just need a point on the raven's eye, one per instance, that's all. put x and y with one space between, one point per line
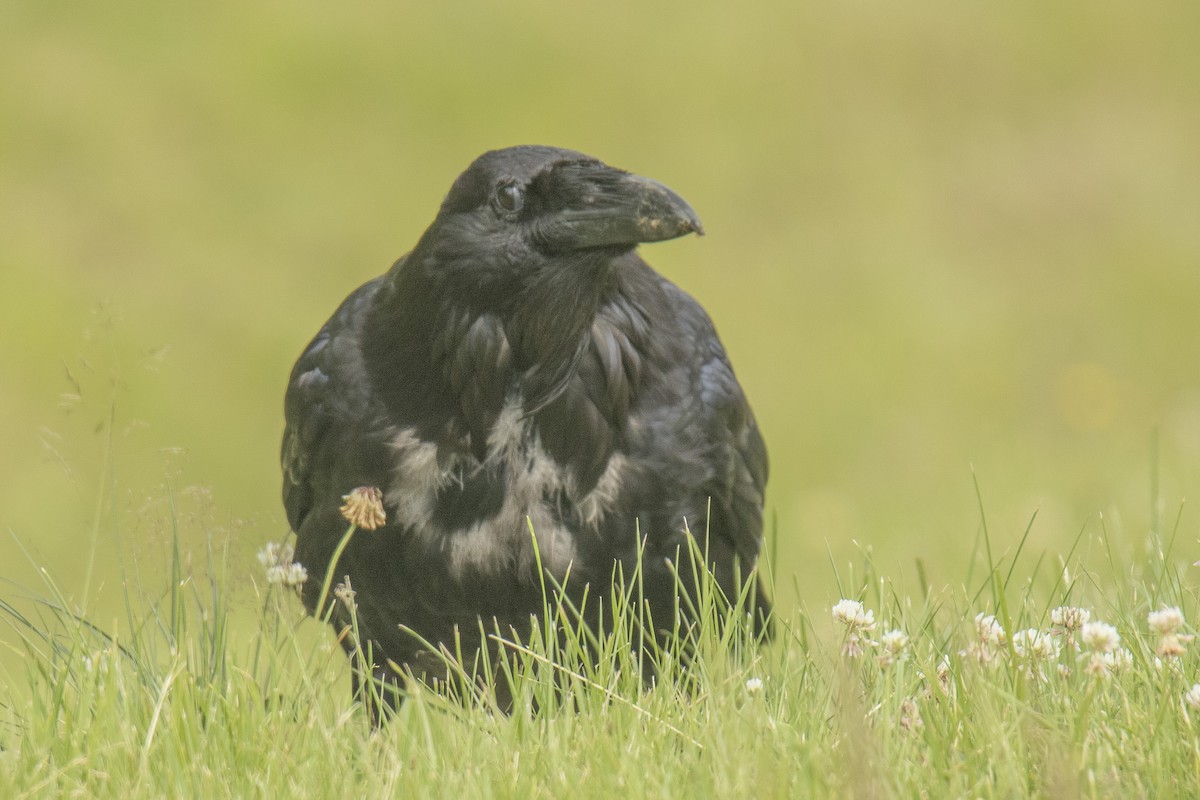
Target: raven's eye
510 198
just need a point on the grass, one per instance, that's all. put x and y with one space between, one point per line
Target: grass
172 701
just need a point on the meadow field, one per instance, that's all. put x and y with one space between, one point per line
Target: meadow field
954 253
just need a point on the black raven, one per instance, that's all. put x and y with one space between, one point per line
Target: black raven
521 369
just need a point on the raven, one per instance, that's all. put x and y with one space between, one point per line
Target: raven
534 402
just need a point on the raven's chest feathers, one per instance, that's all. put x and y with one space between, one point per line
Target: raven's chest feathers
496 424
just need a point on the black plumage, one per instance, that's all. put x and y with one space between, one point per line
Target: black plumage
521 365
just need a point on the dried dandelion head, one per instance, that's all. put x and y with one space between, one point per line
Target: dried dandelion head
363 508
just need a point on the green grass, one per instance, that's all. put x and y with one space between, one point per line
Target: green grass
173 701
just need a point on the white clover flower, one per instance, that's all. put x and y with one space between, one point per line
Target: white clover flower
990 638
1118 660
1165 621
1096 666
855 645
857 620
296 574
277 559
990 631
1068 619
1034 645
292 574
894 641
1172 646
1192 696
754 686
980 653
892 646
275 553
1100 637
852 614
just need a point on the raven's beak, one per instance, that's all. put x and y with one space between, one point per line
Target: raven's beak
606 207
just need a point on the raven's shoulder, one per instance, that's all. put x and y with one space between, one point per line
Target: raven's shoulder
328 398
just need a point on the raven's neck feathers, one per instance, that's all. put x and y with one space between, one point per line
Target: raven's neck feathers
552 324
446 357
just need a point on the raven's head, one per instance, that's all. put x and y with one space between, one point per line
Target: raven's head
517 210
527 247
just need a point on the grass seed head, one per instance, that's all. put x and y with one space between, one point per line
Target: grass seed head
345 593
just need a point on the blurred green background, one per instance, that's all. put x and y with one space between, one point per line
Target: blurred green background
943 238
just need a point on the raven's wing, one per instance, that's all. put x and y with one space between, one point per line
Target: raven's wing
327 404
719 421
